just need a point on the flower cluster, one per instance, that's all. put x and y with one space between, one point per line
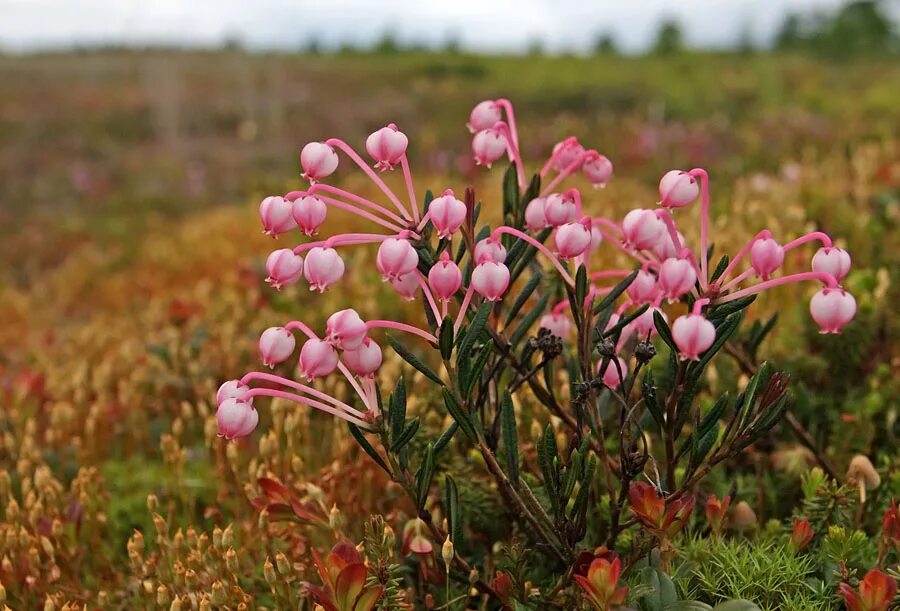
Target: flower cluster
668 268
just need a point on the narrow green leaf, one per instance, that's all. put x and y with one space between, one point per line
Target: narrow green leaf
528 320
413 360
451 505
445 338
651 399
474 331
720 268
510 438
474 370
367 447
581 286
406 435
445 438
424 476
713 415
510 193
617 290
662 327
727 309
397 408
462 418
723 334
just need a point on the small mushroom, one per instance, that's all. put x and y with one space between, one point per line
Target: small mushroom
862 473
743 518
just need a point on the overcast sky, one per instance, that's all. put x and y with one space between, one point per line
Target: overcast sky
492 25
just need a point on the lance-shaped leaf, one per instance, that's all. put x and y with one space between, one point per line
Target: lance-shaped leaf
720 268
724 330
405 436
510 438
528 320
451 506
510 193
662 327
445 438
727 309
523 296
473 332
397 408
413 360
424 476
474 370
367 447
616 328
462 419
547 460
445 338
651 399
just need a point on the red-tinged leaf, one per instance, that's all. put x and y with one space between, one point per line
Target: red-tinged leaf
276 491
349 584
278 512
259 502
368 598
320 596
302 512
322 569
591 594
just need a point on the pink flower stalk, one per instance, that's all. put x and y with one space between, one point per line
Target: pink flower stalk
490 279
490 249
318 161
677 189
365 359
643 229
489 145
236 418
447 214
445 278
573 239
597 169
317 358
610 374
275 345
232 389
693 334
275 214
535 214
832 309
283 267
566 153
323 268
387 146
644 288
666 249
557 323
484 116
560 209
766 256
406 285
345 330
832 260
309 213
676 278
396 257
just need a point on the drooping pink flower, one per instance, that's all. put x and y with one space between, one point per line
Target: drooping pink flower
598 170
665 249
489 145
365 359
567 152
232 389
558 323
677 189
445 278
490 249
693 335
309 213
236 418
610 374
387 146
559 209
490 280
406 285
596 238
832 260
345 329
644 230
396 257
318 161
447 214
535 214
644 288
676 277
832 309
275 345
283 267
573 239
323 268
275 214
766 256
644 326
484 116
317 358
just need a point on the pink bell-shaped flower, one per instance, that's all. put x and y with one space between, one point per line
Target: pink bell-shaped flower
396 257
610 374
644 326
275 345
557 323
445 278
484 116
677 189
365 359
573 239
766 256
406 285
309 213
317 358
676 277
489 145
693 335
535 214
318 161
490 280
232 389
387 147
447 214
275 214
832 260
323 268
283 268
598 170
236 418
559 209
665 249
832 309
490 249
644 230
567 152
345 329
644 288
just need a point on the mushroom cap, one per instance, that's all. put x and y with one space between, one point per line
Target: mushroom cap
862 470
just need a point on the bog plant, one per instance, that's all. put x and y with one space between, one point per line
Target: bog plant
562 378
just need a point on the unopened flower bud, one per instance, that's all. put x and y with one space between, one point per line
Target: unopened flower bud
318 358
276 344
485 115
643 230
445 278
318 161
489 145
406 285
676 277
610 374
323 267
535 214
345 329
236 418
281 561
832 309
309 213
557 323
232 389
567 153
275 214
677 189
644 288
766 256
387 147
832 260
573 239
490 280
693 335
447 214
447 552
490 249
364 360
560 208
396 257
597 169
